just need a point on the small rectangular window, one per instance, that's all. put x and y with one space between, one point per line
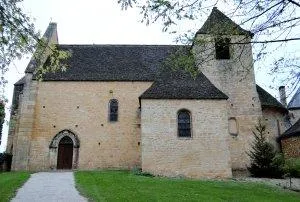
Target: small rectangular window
113 110
222 46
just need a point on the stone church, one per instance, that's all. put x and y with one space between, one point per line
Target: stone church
116 106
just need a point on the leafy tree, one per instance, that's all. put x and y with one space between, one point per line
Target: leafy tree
18 36
264 161
275 25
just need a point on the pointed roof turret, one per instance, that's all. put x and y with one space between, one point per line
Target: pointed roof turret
218 23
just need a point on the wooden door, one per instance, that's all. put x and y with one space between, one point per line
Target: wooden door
65 155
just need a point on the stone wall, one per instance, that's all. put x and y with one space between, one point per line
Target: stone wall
15 110
204 155
82 107
23 114
235 77
291 147
22 126
275 126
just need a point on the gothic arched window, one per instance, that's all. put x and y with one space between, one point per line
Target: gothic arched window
184 123
113 110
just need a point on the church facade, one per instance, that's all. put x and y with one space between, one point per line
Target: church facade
117 107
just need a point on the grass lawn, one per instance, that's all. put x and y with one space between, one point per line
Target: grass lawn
125 186
10 182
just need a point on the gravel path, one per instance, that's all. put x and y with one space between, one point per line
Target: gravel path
49 187
284 183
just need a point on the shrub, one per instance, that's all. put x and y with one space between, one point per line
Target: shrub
265 162
5 161
292 167
138 171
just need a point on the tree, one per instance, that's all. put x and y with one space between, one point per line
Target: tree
264 162
275 25
2 116
18 37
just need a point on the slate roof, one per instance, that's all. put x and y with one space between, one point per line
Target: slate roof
171 84
295 101
21 81
218 23
294 130
267 100
135 63
112 62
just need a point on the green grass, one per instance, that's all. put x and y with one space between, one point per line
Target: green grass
125 186
10 182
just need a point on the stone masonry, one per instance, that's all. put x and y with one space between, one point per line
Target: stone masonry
23 126
103 144
204 155
291 147
274 122
236 79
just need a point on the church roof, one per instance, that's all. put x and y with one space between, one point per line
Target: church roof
294 130
267 100
112 62
171 84
218 23
135 63
295 101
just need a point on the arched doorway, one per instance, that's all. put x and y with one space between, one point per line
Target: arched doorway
64 150
65 153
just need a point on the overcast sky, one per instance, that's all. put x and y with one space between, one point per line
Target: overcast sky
94 22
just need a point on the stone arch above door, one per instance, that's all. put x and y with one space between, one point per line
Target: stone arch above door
55 141
53 148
